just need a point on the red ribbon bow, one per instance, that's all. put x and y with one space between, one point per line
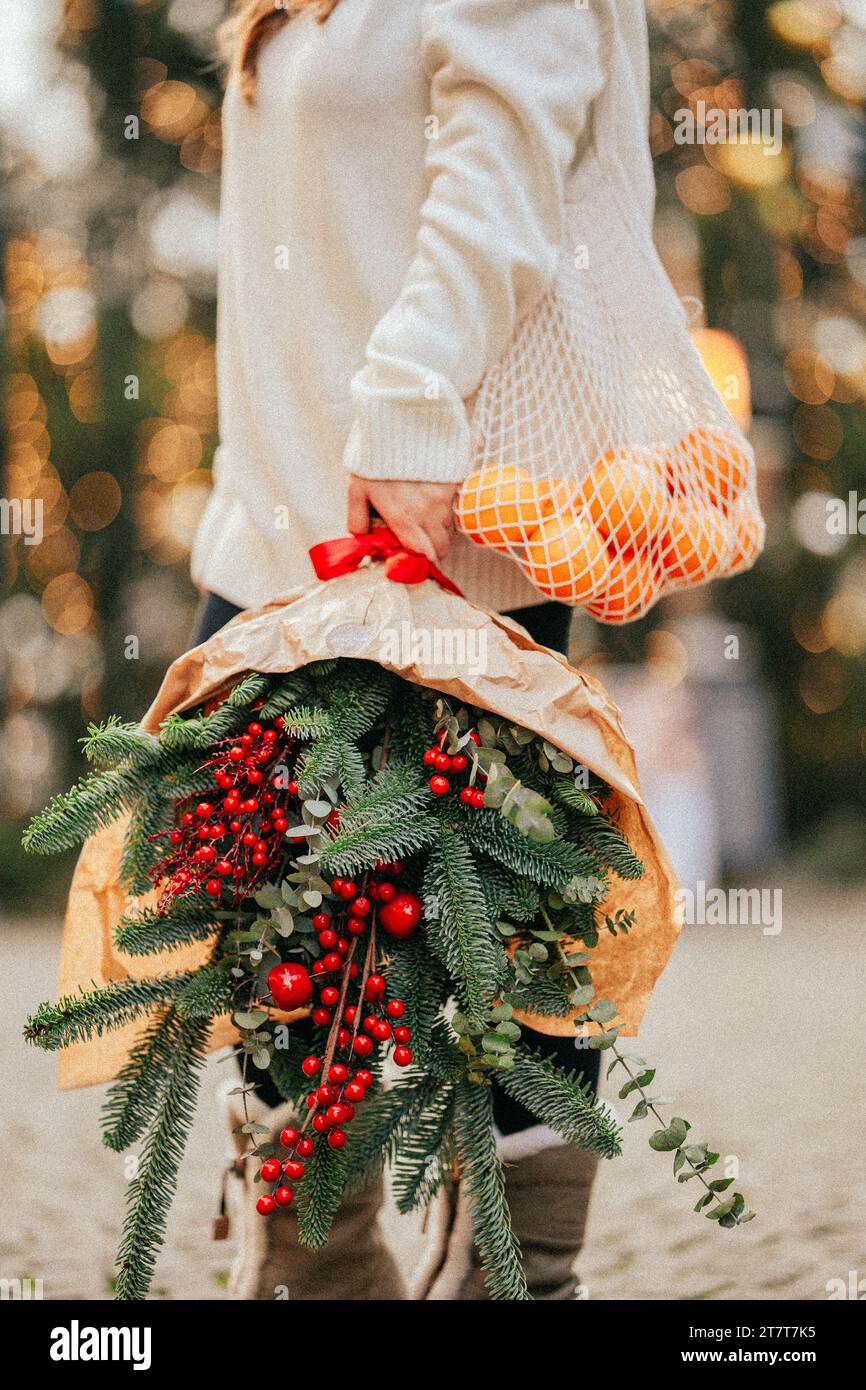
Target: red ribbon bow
332 558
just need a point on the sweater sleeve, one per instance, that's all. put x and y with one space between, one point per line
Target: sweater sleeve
511 85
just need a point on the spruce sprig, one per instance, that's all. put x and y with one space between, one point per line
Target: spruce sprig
152 1190
481 1171
149 931
561 1100
77 1017
460 932
134 1095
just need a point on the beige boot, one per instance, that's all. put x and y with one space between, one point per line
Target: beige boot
272 1264
547 1186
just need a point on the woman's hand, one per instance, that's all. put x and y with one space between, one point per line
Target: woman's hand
420 514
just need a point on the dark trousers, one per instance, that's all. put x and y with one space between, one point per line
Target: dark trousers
547 623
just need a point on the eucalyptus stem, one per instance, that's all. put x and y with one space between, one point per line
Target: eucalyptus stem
620 1060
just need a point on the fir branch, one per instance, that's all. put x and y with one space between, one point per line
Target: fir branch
425 1155
69 818
410 717
186 778
481 1171
358 696
134 1095
187 731
607 845
418 978
152 1190
207 995
113 742
551 865
559 1099
140 850
179 732
306 722
350 767
446 1062
75 1018
542 997
285 693
375 1134
522 900
285 1068
203 731
394 789
508 894
320 1194
563 790
459 928
249 688
384 817
147 932
353 850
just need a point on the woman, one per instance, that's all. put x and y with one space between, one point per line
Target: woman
393 189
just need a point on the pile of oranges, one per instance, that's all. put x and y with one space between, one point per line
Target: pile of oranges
636 525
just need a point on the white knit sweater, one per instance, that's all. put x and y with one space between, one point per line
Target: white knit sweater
392 207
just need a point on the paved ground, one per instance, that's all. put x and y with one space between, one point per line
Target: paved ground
760 1039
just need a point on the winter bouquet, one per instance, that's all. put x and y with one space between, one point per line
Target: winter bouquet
366 873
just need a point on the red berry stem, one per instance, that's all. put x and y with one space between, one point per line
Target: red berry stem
336 1022
369 956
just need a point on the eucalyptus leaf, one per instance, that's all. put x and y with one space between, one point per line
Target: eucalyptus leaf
603 1011
490 758
250 1021
721 1210
666 1140
509 1030
521 735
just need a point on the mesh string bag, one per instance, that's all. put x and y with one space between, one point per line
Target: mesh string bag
605 463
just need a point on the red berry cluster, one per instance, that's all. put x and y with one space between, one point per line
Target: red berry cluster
442 763
292 1170
231 838
354 1029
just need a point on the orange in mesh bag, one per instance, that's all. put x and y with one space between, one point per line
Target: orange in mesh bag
606 463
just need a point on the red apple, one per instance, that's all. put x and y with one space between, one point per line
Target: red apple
290 985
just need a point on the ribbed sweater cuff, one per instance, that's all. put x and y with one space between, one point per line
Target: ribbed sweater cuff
420 441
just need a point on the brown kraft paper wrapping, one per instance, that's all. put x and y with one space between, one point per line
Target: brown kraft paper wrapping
436 639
